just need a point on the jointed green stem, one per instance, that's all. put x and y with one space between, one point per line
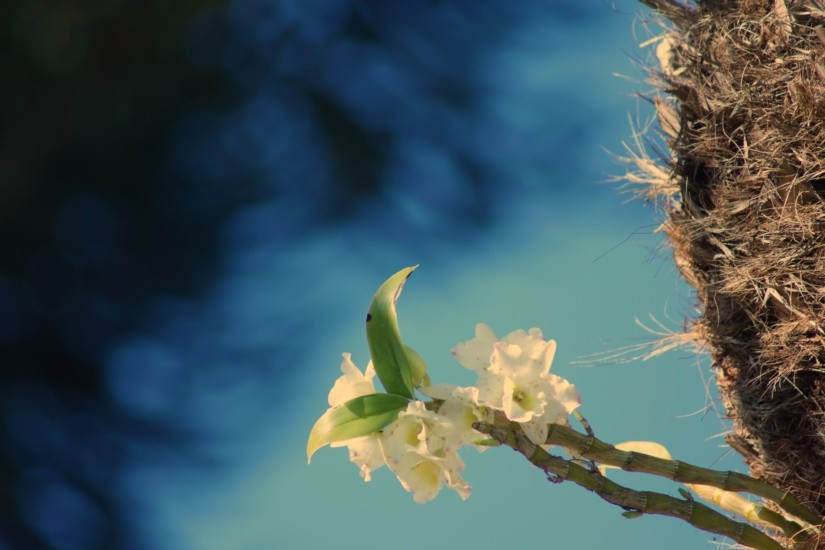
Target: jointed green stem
791 529
647 502
594 449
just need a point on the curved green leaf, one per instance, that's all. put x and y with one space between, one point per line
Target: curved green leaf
398 367
418 368
359 416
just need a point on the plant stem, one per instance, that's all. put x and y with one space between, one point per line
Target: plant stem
647 502
594 449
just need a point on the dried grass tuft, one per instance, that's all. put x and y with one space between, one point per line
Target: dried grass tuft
743 111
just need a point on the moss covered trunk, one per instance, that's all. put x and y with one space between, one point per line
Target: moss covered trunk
743 110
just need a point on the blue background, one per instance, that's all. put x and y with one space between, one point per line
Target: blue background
175 316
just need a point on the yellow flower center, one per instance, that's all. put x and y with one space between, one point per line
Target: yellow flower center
523 398
427 473
411 437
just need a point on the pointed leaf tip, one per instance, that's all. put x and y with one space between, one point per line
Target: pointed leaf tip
398 368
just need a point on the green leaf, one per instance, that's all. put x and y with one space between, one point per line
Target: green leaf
632 514
399 368
418 368
359 416
487 443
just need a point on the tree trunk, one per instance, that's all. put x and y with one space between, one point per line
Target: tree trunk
744 117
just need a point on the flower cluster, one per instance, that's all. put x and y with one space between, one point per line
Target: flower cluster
420 446
515 399
514 377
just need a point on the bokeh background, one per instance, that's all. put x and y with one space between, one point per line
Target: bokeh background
200 198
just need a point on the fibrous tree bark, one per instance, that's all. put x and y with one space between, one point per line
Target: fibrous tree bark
741 102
